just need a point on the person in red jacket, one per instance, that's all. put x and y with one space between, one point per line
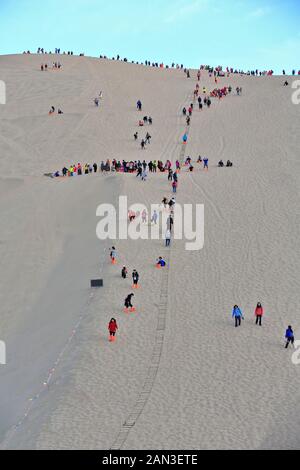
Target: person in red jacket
112 328
259 313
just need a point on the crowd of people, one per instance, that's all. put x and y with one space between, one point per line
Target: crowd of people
141 168
55 66
218 71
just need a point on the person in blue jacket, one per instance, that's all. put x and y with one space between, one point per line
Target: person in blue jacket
238 315
161 262
289 336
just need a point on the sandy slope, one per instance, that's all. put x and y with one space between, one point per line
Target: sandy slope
215 387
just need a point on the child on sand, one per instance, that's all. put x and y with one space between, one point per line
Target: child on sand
112 328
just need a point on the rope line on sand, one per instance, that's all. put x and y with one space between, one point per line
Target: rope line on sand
154 365
50 381
153 369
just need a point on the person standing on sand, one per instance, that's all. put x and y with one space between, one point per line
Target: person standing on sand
112 328
113 255
144 216
168 238
237 315
124 272
259 313
154 218
135 278
290 337
205 162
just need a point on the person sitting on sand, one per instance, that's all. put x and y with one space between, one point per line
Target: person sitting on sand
221 164
286 83
60 111
172 202
150 121
229 164
52 110
136 136
161 262
165 202
131 216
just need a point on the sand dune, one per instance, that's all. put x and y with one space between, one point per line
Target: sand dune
214 387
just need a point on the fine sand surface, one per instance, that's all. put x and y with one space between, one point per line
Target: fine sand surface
211 386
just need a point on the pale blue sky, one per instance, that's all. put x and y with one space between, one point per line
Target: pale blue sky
242 33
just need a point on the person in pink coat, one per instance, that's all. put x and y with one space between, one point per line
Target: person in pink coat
259 313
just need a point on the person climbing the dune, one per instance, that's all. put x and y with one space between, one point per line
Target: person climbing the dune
112 328
128 302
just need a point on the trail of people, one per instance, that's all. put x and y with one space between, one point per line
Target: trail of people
178 373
